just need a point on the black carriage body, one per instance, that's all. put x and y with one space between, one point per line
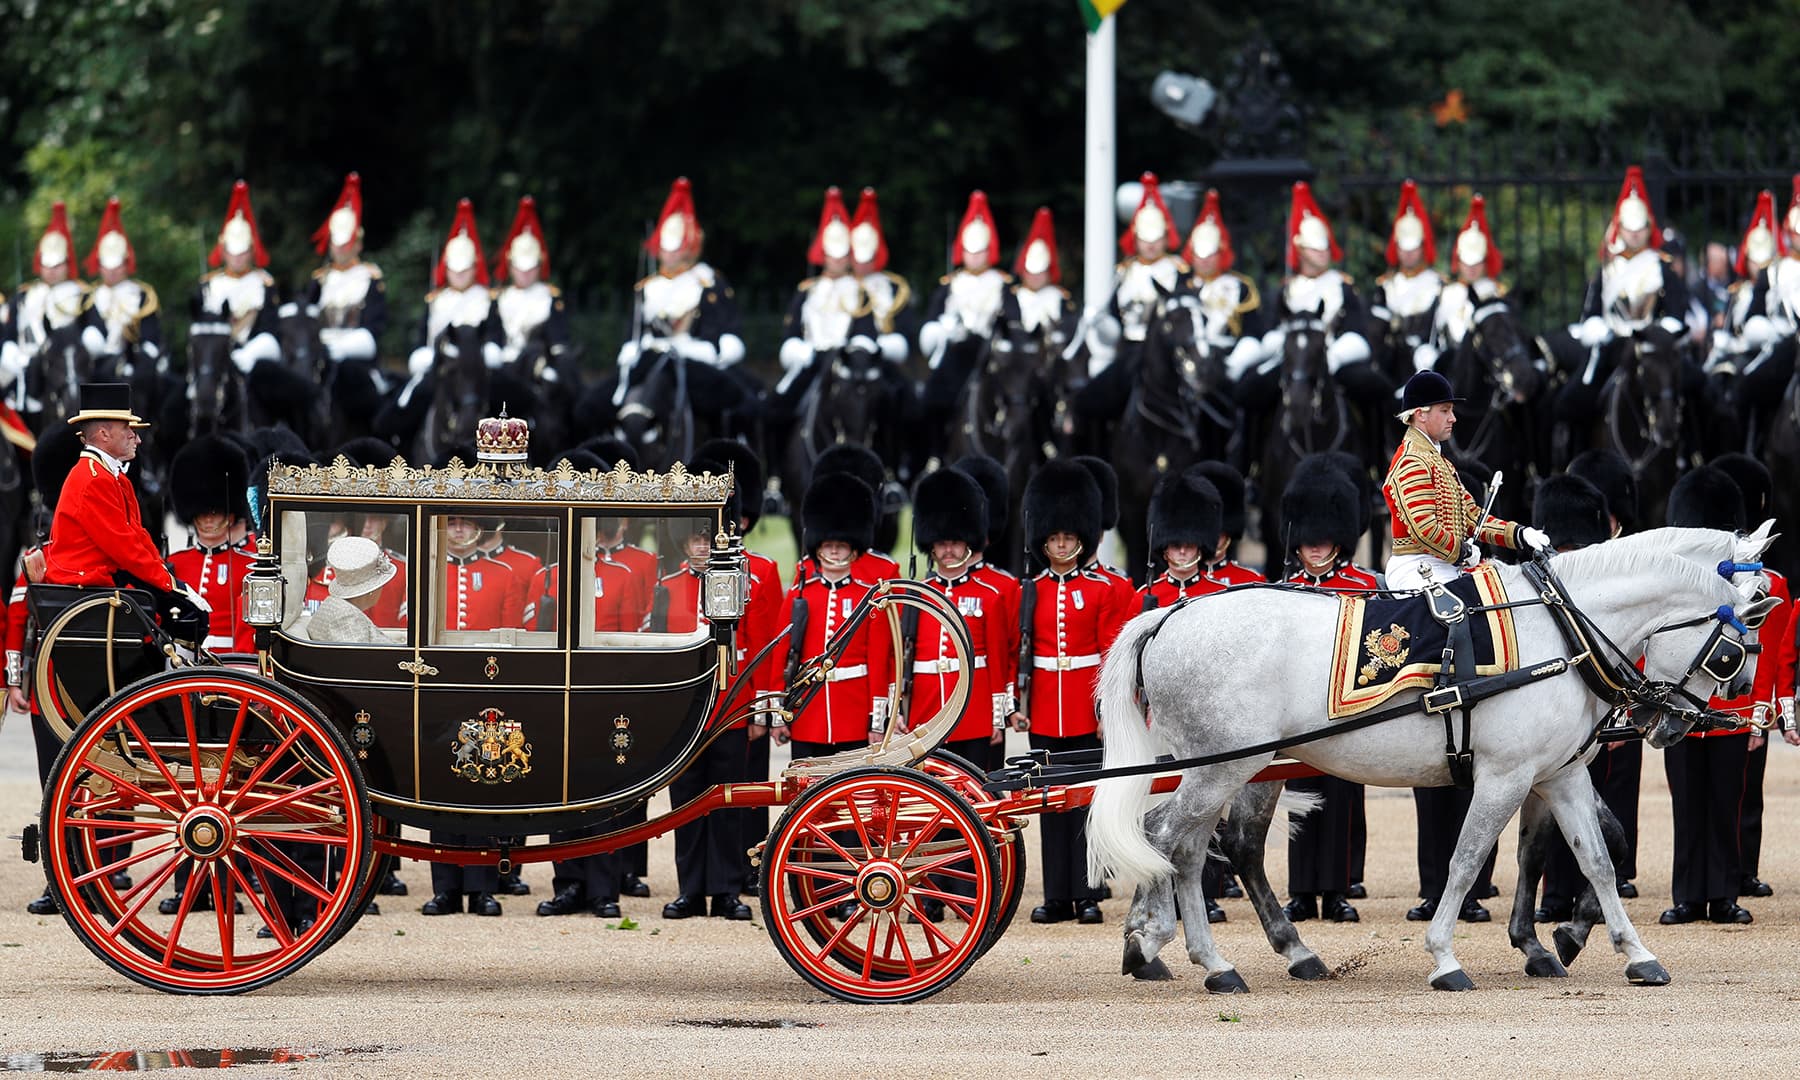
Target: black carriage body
510 731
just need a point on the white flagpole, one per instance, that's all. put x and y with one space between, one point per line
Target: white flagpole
1098 228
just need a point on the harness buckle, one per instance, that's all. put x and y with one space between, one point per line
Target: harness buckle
1443 699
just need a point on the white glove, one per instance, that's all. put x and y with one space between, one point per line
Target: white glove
1425 357
893 348
931 342
1246 354
1672 325
731 350
795 354
878 715
954 328
1536 539
242 360
1471 555
195 599
419 363
689 347
12 361
492 355
1485 289
1592 331
94 341
628 355
1758 331
348 343
549 374
1347 349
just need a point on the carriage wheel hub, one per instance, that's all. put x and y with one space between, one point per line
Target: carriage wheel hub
205 832
878 886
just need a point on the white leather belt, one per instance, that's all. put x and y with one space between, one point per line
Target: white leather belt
845 674
943 665
1065 663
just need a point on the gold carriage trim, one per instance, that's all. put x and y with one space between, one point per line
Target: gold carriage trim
512 482
1370 664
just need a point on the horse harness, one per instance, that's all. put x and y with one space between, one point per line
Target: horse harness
1604 668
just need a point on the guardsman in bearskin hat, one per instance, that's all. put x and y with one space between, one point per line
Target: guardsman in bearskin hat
688 309
1036 304
872 563
1436 523
528 307
991 475
125 313
851 709
459 297
1475 263
1221 562
1403 307
55 298
351 299
1772 696
1070 614
831 311
241 285
526 567
209 480
1706 770
1323 519
1636 286
1187 518
1753 355
1608 470
1228 300
1107 479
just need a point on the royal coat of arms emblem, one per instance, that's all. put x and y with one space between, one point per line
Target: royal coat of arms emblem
490 749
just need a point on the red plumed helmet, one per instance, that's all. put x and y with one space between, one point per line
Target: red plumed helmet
868 241
1631 211
57 246
111 246
1308 227
462 248
977 232
1038 254
239 233
1411 228
1793 210
1763 241
1475 241
345 222
678 226
832 238
1150 220
1209 236
524 246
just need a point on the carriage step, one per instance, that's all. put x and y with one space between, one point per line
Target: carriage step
28 841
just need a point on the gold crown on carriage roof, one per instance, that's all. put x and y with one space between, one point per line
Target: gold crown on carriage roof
502 438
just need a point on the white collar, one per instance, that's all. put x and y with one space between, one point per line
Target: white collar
113 464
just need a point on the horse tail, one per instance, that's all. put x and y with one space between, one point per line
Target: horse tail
1117 845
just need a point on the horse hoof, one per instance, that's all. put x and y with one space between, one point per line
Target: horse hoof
1545 967
1310 969
1568 946
1646 973
1227 982
1134 960
1154 971
1453 980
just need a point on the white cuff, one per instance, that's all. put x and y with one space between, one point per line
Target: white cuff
94 341
491 355
1425 357
893 348
419 363
12 361
1672 325
260 347
931 340
1347 349
1244 356
795 353
352 343
1758 330
731 349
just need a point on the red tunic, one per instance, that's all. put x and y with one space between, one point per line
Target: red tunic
1010 589
1230 572
1166 590
645 570
618 603
683 587
15 628
1127 598
868 566
1775 666
842 710
935 673
762 621
1345 577
525 567
479 594
1074 619
217 574
97 531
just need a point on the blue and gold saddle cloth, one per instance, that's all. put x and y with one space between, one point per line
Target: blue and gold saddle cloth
1384 646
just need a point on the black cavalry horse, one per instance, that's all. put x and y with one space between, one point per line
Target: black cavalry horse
655 413
1643 415
1008 410
543 387
215 392
305 405
60 366
459 392
1502 421
1180 411
1314 417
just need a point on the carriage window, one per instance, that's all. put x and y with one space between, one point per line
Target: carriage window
641 590
492 576
379 588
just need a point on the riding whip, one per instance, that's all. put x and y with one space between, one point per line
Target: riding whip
1493 490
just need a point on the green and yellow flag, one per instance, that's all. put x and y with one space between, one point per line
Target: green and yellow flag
1093 12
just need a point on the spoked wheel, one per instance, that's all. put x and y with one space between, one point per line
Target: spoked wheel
275 800
1009 837
845 873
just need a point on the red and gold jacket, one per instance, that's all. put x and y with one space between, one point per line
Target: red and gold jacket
843 710
935 672
1074 619
97 531
1775 665
217 574
1432 513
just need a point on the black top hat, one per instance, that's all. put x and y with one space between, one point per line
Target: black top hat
949 505
1425 389
107 401
210 475
1061 497
1571 511
1185 508
1707 498
838 506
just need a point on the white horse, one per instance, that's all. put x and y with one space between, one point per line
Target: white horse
1251 666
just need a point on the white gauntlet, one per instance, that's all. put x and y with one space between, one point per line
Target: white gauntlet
1003 707
15 671
878 715
1785 709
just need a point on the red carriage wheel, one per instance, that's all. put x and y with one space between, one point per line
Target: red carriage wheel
1009 837
276 800
845 874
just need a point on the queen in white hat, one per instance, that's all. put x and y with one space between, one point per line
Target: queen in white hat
359 569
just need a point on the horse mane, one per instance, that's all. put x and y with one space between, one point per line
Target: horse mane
1658 554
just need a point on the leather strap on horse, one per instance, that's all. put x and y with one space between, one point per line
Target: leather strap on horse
1456 671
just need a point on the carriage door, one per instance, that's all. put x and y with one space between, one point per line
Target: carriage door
492 670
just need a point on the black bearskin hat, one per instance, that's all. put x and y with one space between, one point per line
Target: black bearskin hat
1321 505
1753 480
258 493
612 451
838 506
369 450
1611 473
1230 485
991 475
749 469
949 505
1367 491
209 475
1707 498
279 441
862 463
57 452
1571 511
1062 497
1107 479
1185 508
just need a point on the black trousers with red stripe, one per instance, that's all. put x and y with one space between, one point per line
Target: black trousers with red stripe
1706 793
1320 850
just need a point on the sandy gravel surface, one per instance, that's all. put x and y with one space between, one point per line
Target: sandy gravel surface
521 995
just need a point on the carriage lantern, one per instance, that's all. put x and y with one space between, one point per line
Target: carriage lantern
726 580
263 587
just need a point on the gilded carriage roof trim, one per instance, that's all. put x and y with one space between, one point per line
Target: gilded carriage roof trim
511 483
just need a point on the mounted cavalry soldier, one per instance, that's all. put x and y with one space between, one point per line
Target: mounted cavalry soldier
1753 356
1403 308
459 297
1475 262
1036 304
963 313
1228 300
528 305
351 300
242 287
125 312
831 311
54 299
890 297
1150 273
